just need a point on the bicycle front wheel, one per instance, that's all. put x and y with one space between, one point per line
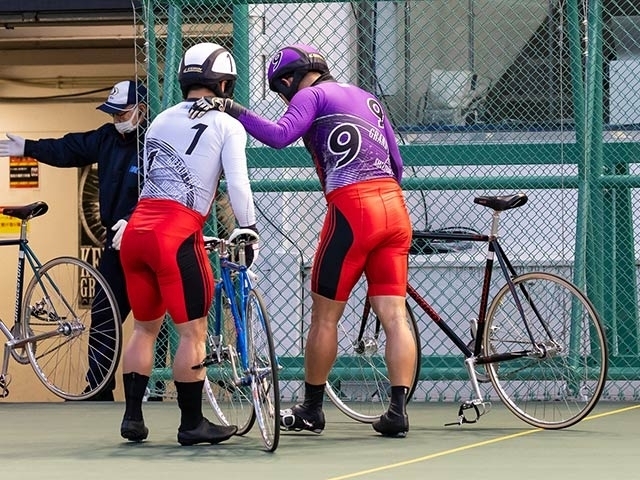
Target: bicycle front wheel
228 387
359 384
70 309
263 365
560 378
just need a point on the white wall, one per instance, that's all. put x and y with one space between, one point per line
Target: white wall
57 232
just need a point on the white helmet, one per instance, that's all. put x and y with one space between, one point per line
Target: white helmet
207 64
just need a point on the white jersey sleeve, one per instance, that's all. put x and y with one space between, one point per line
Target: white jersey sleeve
184 159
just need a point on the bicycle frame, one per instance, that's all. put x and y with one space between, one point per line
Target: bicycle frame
476 357
24 251
237 291
245 368
16 340
538 327
494 249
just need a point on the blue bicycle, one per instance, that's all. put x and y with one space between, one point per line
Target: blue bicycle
242 368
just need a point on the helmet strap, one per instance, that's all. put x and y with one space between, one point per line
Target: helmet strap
325 77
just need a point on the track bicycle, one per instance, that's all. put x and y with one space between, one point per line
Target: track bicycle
539 342
74 355
242 367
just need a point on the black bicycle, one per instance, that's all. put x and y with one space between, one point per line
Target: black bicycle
539 342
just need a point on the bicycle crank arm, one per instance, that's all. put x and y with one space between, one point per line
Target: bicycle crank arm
205 363
212 359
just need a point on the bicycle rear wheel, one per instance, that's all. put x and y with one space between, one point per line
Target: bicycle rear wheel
560 383
69 304
358 384
228 387
263 365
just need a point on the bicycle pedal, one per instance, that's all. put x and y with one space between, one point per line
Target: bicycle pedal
5 380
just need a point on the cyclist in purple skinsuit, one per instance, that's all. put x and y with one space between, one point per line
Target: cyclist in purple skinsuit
367 227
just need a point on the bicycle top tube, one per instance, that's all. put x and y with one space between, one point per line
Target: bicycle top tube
497 203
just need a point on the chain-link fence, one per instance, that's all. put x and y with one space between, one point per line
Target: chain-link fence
487 97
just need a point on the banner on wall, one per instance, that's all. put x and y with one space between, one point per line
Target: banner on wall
10 225
92 233
23 172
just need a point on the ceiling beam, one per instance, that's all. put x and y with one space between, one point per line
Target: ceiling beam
68 56
53 6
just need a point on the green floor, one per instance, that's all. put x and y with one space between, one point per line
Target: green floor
81 441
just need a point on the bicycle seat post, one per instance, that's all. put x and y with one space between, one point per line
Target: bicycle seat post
23 229
495 221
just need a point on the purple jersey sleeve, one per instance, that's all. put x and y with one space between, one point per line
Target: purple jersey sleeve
290 127
344 128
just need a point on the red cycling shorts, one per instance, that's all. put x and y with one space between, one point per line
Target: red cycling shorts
165 264
367 229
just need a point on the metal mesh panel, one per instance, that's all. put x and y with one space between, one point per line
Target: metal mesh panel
487 97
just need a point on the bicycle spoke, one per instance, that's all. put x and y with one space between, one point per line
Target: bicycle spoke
75 359
359 384
561 380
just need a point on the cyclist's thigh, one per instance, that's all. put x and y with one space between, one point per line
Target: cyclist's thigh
339 261
387 263
186 279
142 287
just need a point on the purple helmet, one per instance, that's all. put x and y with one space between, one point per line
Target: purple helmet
297 61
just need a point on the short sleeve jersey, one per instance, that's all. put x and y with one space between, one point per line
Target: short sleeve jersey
345 129
184 159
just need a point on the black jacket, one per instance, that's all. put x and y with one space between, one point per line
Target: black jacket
117 159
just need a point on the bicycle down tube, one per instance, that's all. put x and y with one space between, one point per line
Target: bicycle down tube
508 271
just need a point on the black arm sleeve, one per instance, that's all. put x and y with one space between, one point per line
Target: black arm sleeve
72 150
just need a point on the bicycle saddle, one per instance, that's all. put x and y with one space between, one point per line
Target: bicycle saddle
26 211
502 203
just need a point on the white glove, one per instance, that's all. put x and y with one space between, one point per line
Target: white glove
251 236
119 229
206 104
14 147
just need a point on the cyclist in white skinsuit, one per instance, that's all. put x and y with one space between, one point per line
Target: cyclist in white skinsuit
162 252
187 168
